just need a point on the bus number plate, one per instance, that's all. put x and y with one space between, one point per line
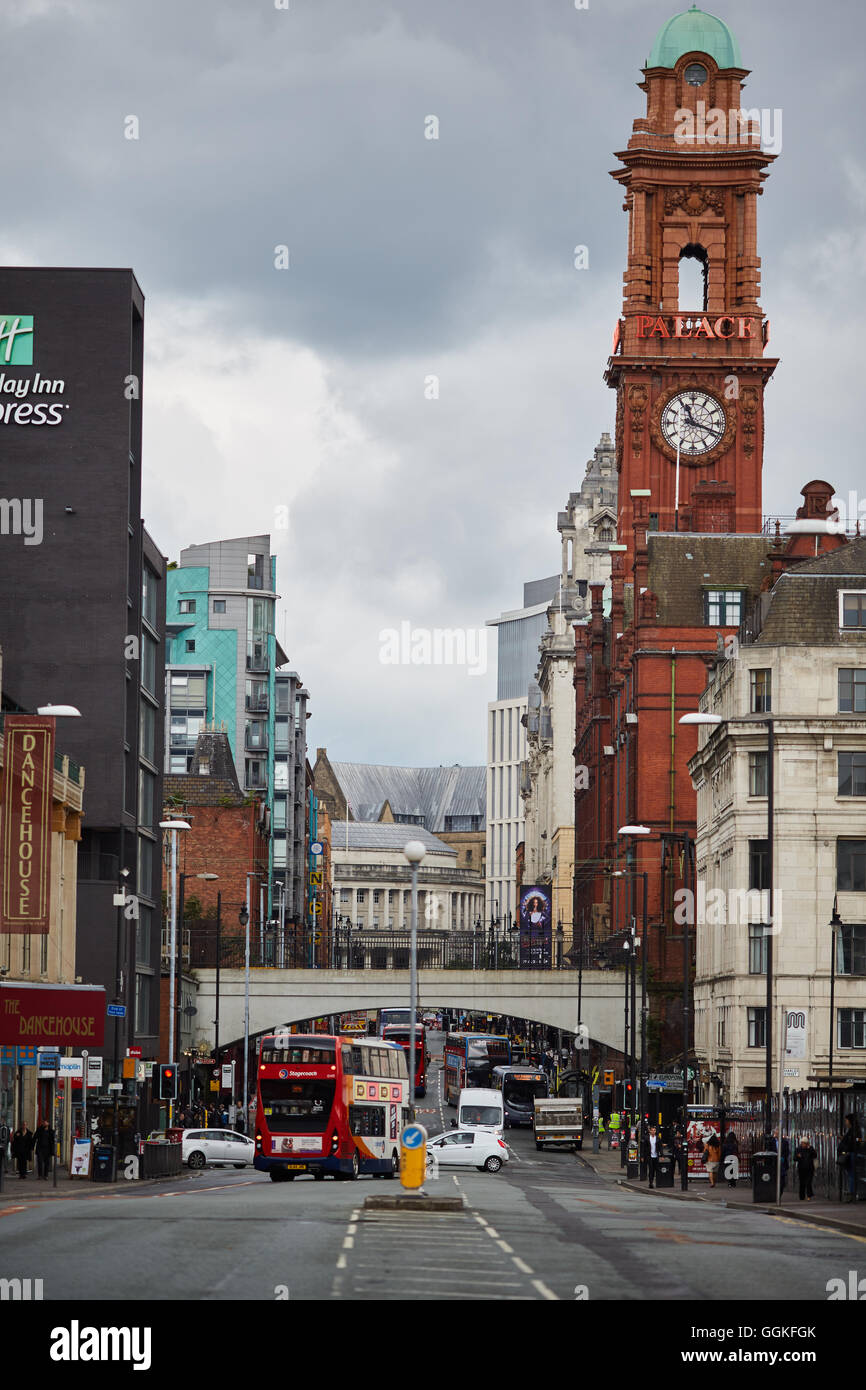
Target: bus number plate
301 1166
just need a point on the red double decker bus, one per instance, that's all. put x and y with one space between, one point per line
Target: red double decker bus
399 1033
328 1104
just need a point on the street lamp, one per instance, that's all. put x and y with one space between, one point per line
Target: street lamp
414 852
175 826
182 878
835 921
633 831
244 919
59 711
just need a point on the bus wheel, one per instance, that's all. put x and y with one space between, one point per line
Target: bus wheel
277 1175
538 1146
395 1165
356 1165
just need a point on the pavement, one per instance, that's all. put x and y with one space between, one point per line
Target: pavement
33 1188
849 1217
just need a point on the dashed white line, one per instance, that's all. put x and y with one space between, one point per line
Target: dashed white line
521 1264
544 1291
503 1245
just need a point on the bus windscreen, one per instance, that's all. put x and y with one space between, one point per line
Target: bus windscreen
295 1107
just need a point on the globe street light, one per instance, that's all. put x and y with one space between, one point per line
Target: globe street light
414 851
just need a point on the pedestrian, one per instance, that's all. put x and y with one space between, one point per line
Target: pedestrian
650 1152
680 1150
846 1155
712 1156
804 1162
601 1132
22 1148
44 1146
731 1158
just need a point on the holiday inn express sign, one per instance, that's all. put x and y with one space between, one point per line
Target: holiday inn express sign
16 350
25 830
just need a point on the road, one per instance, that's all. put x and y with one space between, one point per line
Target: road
545 1228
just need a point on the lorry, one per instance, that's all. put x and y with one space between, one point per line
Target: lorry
558 1121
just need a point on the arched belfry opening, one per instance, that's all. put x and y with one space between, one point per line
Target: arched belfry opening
693 279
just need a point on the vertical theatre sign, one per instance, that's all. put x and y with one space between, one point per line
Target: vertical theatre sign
25 833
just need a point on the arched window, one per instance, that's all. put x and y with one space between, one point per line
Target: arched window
694 269
605 534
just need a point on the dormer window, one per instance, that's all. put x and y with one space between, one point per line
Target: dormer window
852 611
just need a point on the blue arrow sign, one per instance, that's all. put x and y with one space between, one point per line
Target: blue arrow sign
413 1137
117 1011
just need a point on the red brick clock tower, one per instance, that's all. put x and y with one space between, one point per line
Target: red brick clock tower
690 376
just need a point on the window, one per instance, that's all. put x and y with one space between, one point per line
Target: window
279 813
851 866
148 663
145 866
852 611
375 895
758 940
653 521
605 534
281 776
367 1121
256 693
281 736
852 1027
142 1003
852 692
146 791
219 605
259 614
361 895
149 587
186 605
255 571
391 895
189 644
758 865
147 732
693 272
852 774
761 685
758 767
851 949
720 1029
723 607
757 1030
142 933
257 733
457 823
345 894
188 691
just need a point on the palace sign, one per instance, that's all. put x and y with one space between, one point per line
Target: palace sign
25 841
697 326
52 1015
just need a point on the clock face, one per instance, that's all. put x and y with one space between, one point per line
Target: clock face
694 420
696 74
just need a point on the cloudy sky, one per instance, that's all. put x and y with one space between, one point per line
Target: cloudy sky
297 400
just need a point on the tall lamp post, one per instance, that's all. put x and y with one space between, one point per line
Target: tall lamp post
175 826
414 852
631 832
835 921
182 878
244 919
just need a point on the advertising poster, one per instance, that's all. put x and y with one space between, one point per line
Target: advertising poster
535 927
25 839
81 1154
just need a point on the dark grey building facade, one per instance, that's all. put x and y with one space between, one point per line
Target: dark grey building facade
82 600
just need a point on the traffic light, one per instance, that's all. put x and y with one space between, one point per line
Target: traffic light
168 1080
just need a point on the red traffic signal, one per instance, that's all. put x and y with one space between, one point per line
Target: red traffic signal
168 1080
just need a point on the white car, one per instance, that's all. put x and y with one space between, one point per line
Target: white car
217 1147
473 1148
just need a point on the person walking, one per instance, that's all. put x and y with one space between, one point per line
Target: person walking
601 1132
44 1145
804 1162
650 1152
680 1151
712 1157
22 1148
846 1156
731 1158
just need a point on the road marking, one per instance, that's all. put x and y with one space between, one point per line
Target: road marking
348 1242
491 1232
521 1264
544 1291
341 1262
503 1245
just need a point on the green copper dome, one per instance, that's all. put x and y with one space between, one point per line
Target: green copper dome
693 31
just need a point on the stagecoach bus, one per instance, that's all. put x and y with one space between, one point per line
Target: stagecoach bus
520 1087
470 1059
328 1104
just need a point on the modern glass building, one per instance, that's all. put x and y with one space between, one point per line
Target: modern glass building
222 658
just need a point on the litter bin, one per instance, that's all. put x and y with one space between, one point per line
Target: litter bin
633 1166
103 1163
665 1171
764 1177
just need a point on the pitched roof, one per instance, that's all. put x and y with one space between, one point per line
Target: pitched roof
681 568
431 792
375 835
803 608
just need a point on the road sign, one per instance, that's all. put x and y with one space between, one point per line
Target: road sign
316 847
117 1011
133 1052
48 1064
413 1156
608 1078
228 1075
94 1072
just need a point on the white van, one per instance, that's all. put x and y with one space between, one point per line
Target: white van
481 1109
